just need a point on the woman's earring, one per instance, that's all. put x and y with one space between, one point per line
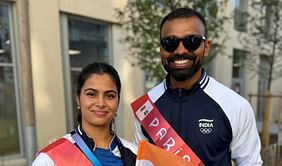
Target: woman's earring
78 107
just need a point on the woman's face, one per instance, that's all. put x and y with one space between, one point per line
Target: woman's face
98 101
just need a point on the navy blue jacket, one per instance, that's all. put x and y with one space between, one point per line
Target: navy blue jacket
214 121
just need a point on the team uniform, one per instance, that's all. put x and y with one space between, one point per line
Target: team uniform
214 121
120 152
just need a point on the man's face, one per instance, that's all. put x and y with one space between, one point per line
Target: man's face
182 63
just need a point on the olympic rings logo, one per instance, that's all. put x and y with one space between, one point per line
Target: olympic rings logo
205 130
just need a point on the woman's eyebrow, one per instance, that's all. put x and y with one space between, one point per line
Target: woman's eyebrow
111 91
107 91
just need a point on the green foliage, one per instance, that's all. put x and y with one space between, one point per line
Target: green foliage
141 20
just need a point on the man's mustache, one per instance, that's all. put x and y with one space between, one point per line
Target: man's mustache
175 57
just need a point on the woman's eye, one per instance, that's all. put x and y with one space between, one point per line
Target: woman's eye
91 94
111 96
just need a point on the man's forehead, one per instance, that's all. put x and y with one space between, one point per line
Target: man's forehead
180 25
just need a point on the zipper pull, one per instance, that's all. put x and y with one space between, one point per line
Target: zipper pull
180 92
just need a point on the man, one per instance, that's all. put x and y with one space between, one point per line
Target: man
214 122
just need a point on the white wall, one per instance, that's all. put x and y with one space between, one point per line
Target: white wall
47 70
132 80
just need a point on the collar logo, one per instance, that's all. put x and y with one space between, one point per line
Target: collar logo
205 125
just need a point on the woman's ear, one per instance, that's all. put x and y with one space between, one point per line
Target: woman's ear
77 101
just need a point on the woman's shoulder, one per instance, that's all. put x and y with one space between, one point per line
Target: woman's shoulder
43 159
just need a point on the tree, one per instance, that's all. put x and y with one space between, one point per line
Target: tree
264 40
141 20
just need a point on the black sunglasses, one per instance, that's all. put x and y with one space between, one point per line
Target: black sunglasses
190 42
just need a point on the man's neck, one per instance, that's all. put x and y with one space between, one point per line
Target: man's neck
188 83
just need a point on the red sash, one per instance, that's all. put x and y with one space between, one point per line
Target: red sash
160 131
63 153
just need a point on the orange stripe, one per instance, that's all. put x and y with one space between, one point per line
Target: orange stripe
141 148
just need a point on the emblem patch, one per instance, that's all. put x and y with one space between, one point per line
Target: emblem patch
205 125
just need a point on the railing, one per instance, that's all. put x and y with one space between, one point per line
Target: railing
272 155
272 149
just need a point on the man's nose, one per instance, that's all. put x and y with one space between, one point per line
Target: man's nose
181 49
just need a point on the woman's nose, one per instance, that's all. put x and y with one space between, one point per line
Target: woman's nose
100 102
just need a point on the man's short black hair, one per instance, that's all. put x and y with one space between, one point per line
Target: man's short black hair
184 13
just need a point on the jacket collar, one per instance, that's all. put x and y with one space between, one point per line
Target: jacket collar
201 83
90 142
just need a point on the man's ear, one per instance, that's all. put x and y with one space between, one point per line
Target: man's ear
207 48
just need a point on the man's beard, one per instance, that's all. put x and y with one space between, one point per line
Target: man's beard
183 74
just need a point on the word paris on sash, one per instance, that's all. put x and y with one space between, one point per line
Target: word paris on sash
160 131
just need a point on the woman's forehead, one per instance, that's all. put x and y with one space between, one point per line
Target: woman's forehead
100 80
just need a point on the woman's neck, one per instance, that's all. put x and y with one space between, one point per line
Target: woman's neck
101 135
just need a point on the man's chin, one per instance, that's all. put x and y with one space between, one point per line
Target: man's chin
180 78
183 74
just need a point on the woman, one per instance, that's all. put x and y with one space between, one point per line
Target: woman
92 142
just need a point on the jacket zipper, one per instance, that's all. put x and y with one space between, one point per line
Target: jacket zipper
180 95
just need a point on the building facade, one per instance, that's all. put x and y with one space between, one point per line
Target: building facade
44 44
248 66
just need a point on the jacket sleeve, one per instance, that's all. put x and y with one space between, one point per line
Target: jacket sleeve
43 160
138 133
246 145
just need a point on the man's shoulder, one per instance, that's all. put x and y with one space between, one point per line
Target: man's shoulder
157 91
224 96
217 88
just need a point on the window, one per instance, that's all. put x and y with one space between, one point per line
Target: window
238 69
239 57
241 15
87 41
9 130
